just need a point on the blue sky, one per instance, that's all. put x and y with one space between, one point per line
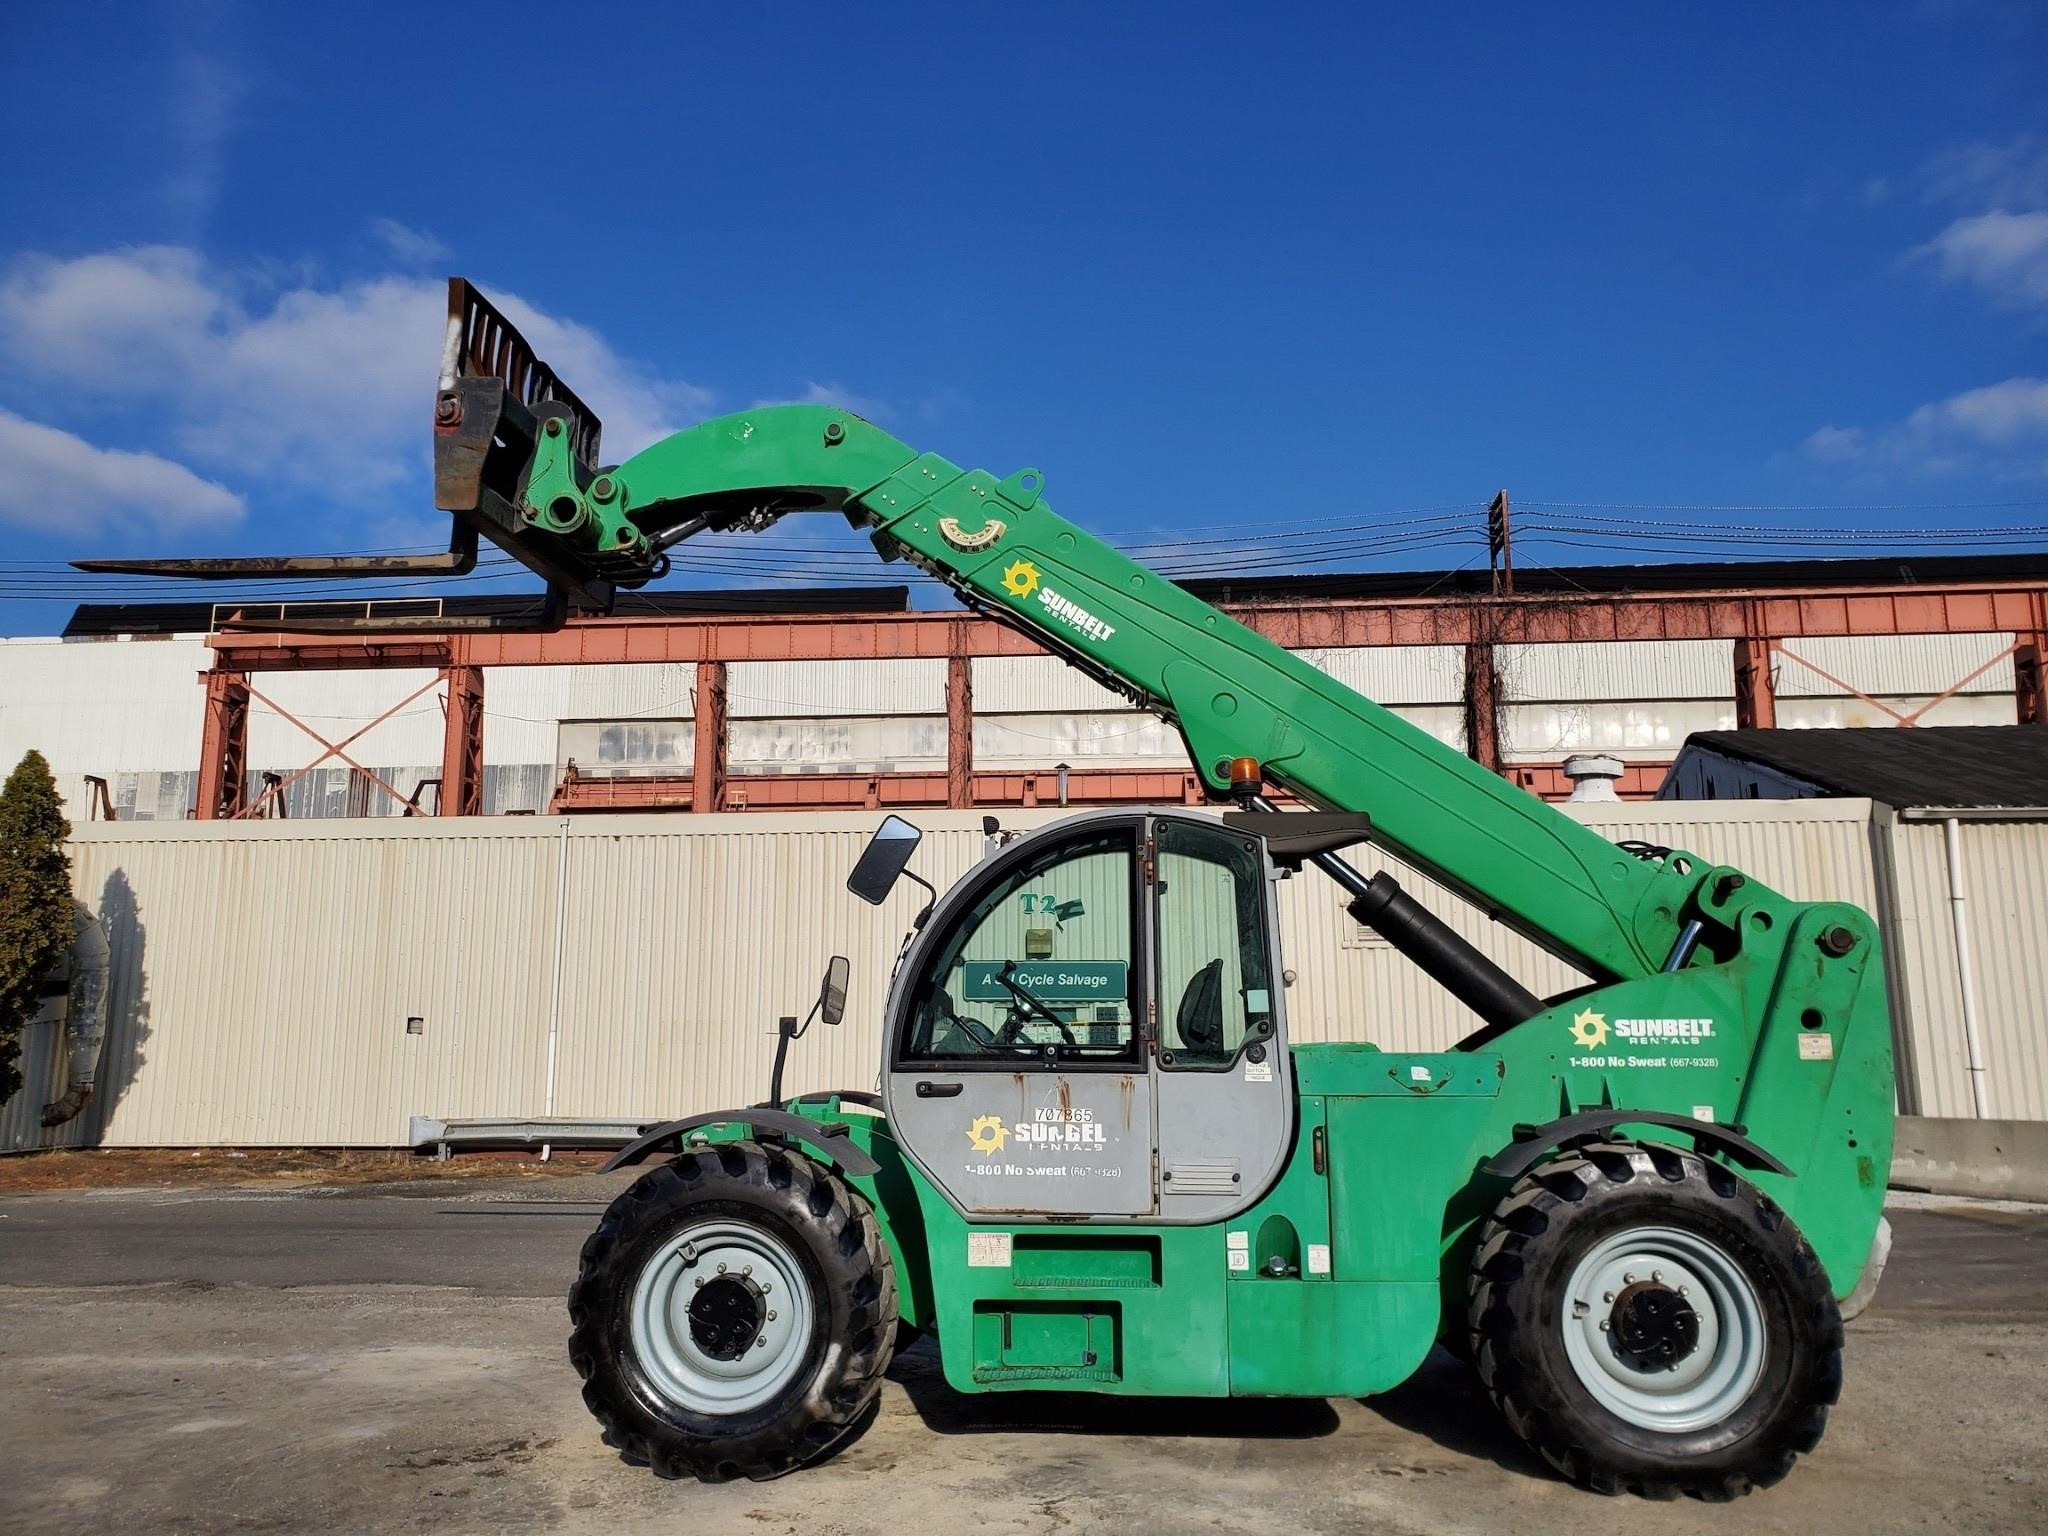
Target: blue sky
1235 268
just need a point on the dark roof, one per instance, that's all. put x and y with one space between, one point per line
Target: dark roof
90 619
1959 765
1696 576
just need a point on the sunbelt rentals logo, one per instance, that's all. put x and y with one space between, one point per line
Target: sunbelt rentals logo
1590 1030
1021 580
1043 1130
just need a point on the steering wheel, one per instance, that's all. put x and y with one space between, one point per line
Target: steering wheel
1027 1005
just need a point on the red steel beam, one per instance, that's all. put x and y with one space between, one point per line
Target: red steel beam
1756 699
1521 619
223 747
1482 706
929 791
2030 677
462 744
707 762
959 731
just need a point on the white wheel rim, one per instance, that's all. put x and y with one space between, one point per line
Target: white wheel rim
1666 1269
751 1275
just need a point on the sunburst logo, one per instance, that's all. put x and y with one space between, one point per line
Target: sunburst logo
988 1135
1021 579
1589 1029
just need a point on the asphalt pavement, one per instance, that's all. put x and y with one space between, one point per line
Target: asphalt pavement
392 1359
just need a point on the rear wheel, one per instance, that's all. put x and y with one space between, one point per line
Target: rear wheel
1650 1322
733 1314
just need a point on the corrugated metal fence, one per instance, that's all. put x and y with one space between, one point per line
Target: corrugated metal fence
319 983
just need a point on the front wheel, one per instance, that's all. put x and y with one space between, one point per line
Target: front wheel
733 1314
1650 1322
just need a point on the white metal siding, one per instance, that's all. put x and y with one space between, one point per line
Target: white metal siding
1395 674
1006 685
1646 729
784 689
103 707
2005 885
1893 665
264 972
522 705
1618 669
1386 674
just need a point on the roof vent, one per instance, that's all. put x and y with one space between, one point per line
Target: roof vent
1593 775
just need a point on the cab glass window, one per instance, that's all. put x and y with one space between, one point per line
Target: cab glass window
1039 967
1215 990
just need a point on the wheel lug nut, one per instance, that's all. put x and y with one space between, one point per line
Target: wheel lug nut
1609 1296
761 1342
1626 1279
771 1317
700 1282
766 1287
746 1269
1657 1275
1604 1325
721 1269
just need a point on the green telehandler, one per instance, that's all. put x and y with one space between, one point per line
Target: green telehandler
1098 1161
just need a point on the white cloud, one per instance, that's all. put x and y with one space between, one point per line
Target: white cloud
408 246
2009 175
1837 445
638 405
835 393
320 388
58 481
2005 255
205 86
2011 414
2001 429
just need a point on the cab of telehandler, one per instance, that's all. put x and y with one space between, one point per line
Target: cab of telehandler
1090 1026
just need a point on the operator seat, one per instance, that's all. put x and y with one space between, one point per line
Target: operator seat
1199 1020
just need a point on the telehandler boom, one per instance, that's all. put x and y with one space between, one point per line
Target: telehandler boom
1097 1161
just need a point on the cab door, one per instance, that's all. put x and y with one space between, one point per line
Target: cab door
1223 1084
1017 1078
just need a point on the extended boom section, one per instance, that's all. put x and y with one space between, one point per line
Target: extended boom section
1230 691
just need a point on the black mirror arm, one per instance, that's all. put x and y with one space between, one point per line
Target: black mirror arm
785 1033
931 898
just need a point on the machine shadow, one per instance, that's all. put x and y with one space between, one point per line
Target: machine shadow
947 1412
128 1025
1444 1403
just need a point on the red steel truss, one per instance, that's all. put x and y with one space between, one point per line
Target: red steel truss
1756 622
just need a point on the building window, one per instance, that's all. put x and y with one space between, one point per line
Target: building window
627 748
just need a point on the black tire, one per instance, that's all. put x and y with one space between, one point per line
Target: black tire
1558 1216
824 1228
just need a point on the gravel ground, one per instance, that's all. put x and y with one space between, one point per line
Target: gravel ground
391 1359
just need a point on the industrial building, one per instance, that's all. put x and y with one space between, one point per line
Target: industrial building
851 699
502 940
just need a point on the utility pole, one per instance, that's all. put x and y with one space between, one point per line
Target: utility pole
1500 545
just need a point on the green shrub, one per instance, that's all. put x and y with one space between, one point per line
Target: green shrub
35 903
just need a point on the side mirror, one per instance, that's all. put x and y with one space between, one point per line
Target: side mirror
883 860
832 991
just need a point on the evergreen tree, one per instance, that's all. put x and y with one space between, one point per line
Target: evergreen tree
35 902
